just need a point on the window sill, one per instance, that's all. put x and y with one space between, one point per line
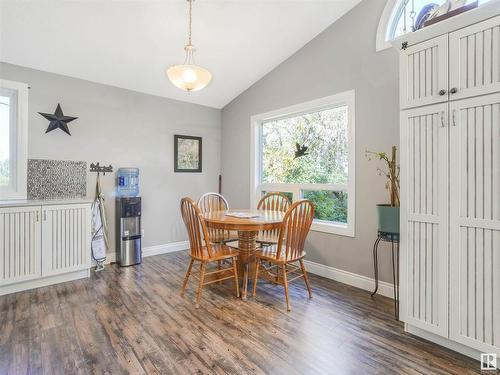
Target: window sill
331 228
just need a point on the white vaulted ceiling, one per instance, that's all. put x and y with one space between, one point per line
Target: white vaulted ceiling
130 43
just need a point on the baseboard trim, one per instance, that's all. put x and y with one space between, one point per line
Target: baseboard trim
45 281
110 258
165 249
154 250
443 341
349 278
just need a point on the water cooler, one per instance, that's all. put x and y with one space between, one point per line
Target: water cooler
128 231
128 218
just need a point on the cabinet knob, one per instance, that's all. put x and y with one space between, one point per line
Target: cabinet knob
442 92
454 90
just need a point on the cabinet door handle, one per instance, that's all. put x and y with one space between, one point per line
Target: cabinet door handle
37 217
453 118
442 119
454 90
442 92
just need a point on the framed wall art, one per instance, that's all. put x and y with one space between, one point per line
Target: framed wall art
187 153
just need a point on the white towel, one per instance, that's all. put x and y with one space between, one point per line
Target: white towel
99 227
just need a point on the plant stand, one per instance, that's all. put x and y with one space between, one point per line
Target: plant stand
393 238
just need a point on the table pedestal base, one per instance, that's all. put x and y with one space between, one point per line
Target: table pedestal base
246 260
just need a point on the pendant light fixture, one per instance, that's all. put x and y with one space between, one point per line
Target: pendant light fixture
189 76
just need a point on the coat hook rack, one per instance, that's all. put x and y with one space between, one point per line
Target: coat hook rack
101 169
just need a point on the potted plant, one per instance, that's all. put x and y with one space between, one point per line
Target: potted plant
388 214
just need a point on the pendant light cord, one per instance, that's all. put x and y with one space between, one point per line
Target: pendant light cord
189 47
190 19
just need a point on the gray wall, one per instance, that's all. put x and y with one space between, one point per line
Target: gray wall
124 128
341 58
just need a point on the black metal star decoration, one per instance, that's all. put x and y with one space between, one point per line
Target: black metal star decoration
58 120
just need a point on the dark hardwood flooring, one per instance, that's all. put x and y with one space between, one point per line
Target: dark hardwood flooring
132 320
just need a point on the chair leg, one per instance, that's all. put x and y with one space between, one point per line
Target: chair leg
277 278
219 263
188 273
285 283
200 286
255 277
236 281
306 279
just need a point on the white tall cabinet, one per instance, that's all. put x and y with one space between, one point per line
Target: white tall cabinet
43 243
450 175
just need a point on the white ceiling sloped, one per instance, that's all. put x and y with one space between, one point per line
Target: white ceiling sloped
130 43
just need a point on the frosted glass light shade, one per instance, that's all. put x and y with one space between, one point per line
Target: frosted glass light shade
189 77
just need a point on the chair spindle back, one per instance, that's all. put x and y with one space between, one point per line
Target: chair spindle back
296 225
196 228
274 201
210 202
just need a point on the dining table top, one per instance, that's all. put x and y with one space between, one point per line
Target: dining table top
260 220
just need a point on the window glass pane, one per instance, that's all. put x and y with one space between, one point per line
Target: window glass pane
5 120
324 133
411 15
328 205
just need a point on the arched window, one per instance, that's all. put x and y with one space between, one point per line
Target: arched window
405 16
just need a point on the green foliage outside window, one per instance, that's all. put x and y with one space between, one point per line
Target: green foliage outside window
328 205
325 134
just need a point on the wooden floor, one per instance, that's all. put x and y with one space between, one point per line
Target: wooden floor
132 320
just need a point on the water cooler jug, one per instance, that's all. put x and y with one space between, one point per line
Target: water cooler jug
128 231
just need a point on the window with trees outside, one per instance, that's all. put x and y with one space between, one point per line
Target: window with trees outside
13 139
307 152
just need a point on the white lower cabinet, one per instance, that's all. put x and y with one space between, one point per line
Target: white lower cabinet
424 215
475 222
43 245
450 221
20 244
65 239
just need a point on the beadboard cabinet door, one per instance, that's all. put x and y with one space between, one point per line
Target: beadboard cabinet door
424 217
20 243
66 239
475 222
475 60
424 73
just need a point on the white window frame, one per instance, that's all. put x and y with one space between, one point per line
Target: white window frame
17 187
382 39
346 98
393 9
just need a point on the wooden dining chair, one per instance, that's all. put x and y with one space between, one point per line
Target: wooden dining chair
274 201
210 202
202 250
280 260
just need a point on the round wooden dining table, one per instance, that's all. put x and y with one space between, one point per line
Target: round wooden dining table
248 229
